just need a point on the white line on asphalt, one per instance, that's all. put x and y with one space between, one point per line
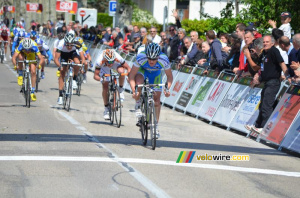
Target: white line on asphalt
150 161
13 71
158 192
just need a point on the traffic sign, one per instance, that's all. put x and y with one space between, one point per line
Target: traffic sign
82 13
112 6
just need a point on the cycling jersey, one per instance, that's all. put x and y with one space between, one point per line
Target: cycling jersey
102 63
4 33
44 48
152 73
63 49
29 53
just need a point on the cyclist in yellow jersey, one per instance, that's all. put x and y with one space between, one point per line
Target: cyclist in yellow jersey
29 49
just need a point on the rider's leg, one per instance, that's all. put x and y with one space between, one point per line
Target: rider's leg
139 80
121 78
76 68
105 92
157 104
33 76
61 81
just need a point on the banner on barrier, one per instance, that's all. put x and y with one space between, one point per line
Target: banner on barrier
216 95
283 115
178 85
199 96
292 139
235 97
195 80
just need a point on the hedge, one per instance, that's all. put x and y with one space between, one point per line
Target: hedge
159 27
105 19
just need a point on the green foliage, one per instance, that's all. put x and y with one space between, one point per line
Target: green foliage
261 11
105 19
128 2
148 25
201 26
140 15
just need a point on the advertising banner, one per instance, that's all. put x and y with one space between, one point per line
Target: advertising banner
195 80
32 7
235 97
178 84
203 89
292 139
248 112
11 9
216 96
283 115
67 6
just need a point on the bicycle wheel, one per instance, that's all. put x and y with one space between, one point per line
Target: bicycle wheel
69 94
24 89
66 84
37 80
152 123
110 105
143 123
28 91
79 82
117 107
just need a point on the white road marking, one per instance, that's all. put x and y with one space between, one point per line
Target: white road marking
13 71
148 184
150 161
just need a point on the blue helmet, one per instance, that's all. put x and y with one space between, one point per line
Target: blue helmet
22 33
33 34
39 41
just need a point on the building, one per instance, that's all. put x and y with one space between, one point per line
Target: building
188 9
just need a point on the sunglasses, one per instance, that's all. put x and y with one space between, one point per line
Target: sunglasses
152 59
69 45
152 31
110 62
171 29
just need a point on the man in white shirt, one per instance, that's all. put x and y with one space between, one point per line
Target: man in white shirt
155 37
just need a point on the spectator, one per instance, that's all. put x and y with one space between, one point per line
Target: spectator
286 18
135 30
240 31
174 43
285 45
137 43
107 36
114 42
69 28
39 29
295 65
163 43
194 36
277 34
234 52
6 21
224 38
99 33
193 54
249 38
60 22
253 29
271 66
93 33
120 35
144 35
155 38
204 61
217 56
181 48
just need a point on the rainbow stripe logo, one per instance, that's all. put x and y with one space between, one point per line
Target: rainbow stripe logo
185 157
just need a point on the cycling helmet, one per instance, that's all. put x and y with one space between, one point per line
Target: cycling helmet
152 50
27 43
109 55
39 41
61 35
33 34
69 38
22 34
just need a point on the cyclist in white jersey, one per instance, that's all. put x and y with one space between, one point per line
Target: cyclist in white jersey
109 59
149 64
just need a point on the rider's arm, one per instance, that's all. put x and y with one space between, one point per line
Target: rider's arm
42 60
14 57
56 59
132 75
96 74
126 66
169 77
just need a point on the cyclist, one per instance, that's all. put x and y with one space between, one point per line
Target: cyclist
4 35
109 59
67 49
84 49
29 49
18 37
148 65
45 51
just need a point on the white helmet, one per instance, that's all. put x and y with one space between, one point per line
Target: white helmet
152 50
69 38
27 43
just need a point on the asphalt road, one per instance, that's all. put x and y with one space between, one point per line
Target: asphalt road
48 152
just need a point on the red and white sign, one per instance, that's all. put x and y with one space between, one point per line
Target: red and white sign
67 6
82 13
32 7
11 9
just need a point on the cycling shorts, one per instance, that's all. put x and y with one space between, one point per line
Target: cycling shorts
5 38
65 56
29 56
153 76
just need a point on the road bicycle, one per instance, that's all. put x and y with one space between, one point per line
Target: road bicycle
114 100
2 51
68 89
26 86
148 119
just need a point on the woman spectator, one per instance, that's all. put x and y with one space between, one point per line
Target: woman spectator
232 60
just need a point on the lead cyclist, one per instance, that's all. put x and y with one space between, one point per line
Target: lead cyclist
149 64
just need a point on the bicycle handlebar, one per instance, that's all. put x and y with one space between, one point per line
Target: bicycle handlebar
27 61
2 41
71 64
122 74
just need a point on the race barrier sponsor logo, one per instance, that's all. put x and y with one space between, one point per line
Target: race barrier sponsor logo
221 157
185 157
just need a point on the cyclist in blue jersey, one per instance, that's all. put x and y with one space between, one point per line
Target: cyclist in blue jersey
46 53
149 64
18 37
